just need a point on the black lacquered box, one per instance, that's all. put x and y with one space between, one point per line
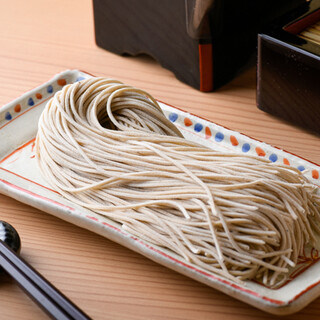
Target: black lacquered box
289 68
205 43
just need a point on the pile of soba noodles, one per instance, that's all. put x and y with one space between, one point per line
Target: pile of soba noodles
108 147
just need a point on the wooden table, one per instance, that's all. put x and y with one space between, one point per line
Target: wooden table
41 38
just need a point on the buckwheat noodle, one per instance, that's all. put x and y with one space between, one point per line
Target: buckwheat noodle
108 147
312 33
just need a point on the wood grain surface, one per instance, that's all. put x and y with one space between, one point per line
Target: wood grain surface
39 38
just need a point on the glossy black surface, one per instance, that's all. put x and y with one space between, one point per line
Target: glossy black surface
164 30
10 236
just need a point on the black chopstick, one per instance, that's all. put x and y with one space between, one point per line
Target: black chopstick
52 301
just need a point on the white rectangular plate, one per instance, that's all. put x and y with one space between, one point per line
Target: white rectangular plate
20 179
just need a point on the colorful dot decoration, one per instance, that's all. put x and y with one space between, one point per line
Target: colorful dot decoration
34 99
80 79
173 117
187 122
61 82
315 174
30 102
17 108
198 127
208 133
273 157
246 147
234 141
219 136
286 161
8 116
260 152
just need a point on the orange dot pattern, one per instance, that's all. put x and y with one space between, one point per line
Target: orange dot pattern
234 141
260 152
315 174
286 161
62 82
187 122
219 136
208 133
17 108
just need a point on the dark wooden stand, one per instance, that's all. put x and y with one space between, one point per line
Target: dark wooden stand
204 42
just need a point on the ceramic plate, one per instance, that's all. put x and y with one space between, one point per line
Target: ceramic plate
20 179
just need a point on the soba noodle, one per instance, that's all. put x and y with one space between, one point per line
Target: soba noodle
108 147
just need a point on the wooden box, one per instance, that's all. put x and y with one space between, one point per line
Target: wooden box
205 43
289 69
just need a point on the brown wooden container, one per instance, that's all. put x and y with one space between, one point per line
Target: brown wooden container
289 70
204 42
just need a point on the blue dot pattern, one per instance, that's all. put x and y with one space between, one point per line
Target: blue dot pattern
173 116
301 168
50 89
273 157
246 147
80 79
8 116
30 102
198 127
219 136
